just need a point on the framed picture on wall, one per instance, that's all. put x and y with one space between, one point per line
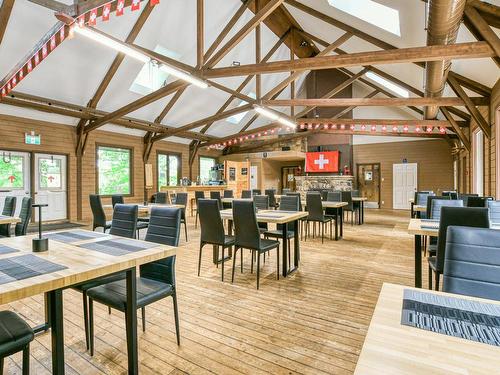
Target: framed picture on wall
232 174
244 171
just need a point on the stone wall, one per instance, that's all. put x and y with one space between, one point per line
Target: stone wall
305 183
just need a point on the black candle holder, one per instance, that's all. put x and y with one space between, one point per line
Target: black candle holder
40 244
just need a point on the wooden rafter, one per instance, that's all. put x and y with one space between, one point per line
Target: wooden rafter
56 6
375 102
470 84
490 12
474 112
456 128
200 33
372 121
5 12
483 31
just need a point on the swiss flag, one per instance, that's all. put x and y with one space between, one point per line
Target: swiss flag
93 17
322 161
120 5
136 5
106 10
154 2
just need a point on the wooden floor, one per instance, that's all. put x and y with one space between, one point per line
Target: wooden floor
312 323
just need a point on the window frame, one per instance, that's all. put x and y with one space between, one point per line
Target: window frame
179 167
131 168
478 175
23 187
199 163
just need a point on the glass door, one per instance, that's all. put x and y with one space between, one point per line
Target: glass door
50 186
14 177
368 177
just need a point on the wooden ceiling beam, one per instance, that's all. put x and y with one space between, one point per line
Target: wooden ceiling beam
490 12
200 33
484 30
456 128
5 12
374 102
240 134
403 55
470 84
371 121
474 112
56 6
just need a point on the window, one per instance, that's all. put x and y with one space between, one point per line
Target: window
169 170
49 172
370 11
151 77
114 168
235 119
478 170
11 172
388 84
206 165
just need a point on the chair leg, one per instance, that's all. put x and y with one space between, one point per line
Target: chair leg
436 280
258 269
109 310
91 326
186 230
234 262
26 360
86 318
264 258
223 255
1 365
251 266
196 220
278 263
143 313
322 232
241 260
176 317
430 278
199 259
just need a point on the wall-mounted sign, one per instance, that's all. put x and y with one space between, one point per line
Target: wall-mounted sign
244 171
32 138
232 174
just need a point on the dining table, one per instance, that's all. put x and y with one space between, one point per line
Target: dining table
74 257
277 217
391 347
361 201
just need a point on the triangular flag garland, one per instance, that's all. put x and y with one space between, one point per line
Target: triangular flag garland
90 18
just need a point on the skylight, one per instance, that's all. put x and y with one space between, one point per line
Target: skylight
235 119
151 77
389 85
370 11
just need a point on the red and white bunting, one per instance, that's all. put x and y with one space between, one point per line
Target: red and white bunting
81 20
120 6
93 17
53 43
106 11
45 51
136 5
62 34
154 2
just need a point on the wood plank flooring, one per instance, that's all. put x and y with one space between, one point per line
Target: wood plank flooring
311 323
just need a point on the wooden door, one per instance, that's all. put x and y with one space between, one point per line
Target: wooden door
288 177
368 177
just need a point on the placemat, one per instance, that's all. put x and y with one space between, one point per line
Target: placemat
25 266
118 247
74 236
451 316
7 250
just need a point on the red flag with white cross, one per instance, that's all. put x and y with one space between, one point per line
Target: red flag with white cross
120 5
136 5
106 11
327 161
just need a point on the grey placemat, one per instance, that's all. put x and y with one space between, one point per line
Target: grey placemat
7 250
118 247
74 236
25 266
451 316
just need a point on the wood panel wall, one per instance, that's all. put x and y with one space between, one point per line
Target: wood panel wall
57 138
434 159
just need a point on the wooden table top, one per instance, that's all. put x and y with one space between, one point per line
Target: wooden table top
419 208
327 204
269 216
82 264
9 219
392 348
230 200
359 199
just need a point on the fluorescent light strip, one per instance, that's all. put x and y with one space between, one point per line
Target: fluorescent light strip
121 47
275 117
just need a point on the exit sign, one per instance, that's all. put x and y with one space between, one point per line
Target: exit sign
32 139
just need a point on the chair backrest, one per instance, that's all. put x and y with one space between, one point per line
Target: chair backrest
477 201
117 199
199 195
431 198
355 193
246 229
261 202
124 221
25 216
212 228
451 194
98 214
472 262
216 195
164 228
181 198
295 194
246 194
228 194
285 191
272 199
9 206
438 204
458 216
421 197
161 197
314 207
334 196
347 197
289 203
494 207
256 192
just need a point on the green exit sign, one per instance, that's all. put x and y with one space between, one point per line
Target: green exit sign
32 139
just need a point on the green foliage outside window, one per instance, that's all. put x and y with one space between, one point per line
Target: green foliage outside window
50 173
206 165
12 172
168 170
114 170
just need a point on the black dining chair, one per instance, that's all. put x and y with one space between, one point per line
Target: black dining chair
316 215
421 200
156 280
438 204
212 230
272 198
15 336
494 207
161 197
472 262
216 195
261 202
458 216
117 199
227 194
256 192
333 196
197 196
355 193
450 194
477 201
247 236
25 216
99 217
246 194
465 197
351 207
430 199
9 209
124 224
182 198
304 219
285 191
